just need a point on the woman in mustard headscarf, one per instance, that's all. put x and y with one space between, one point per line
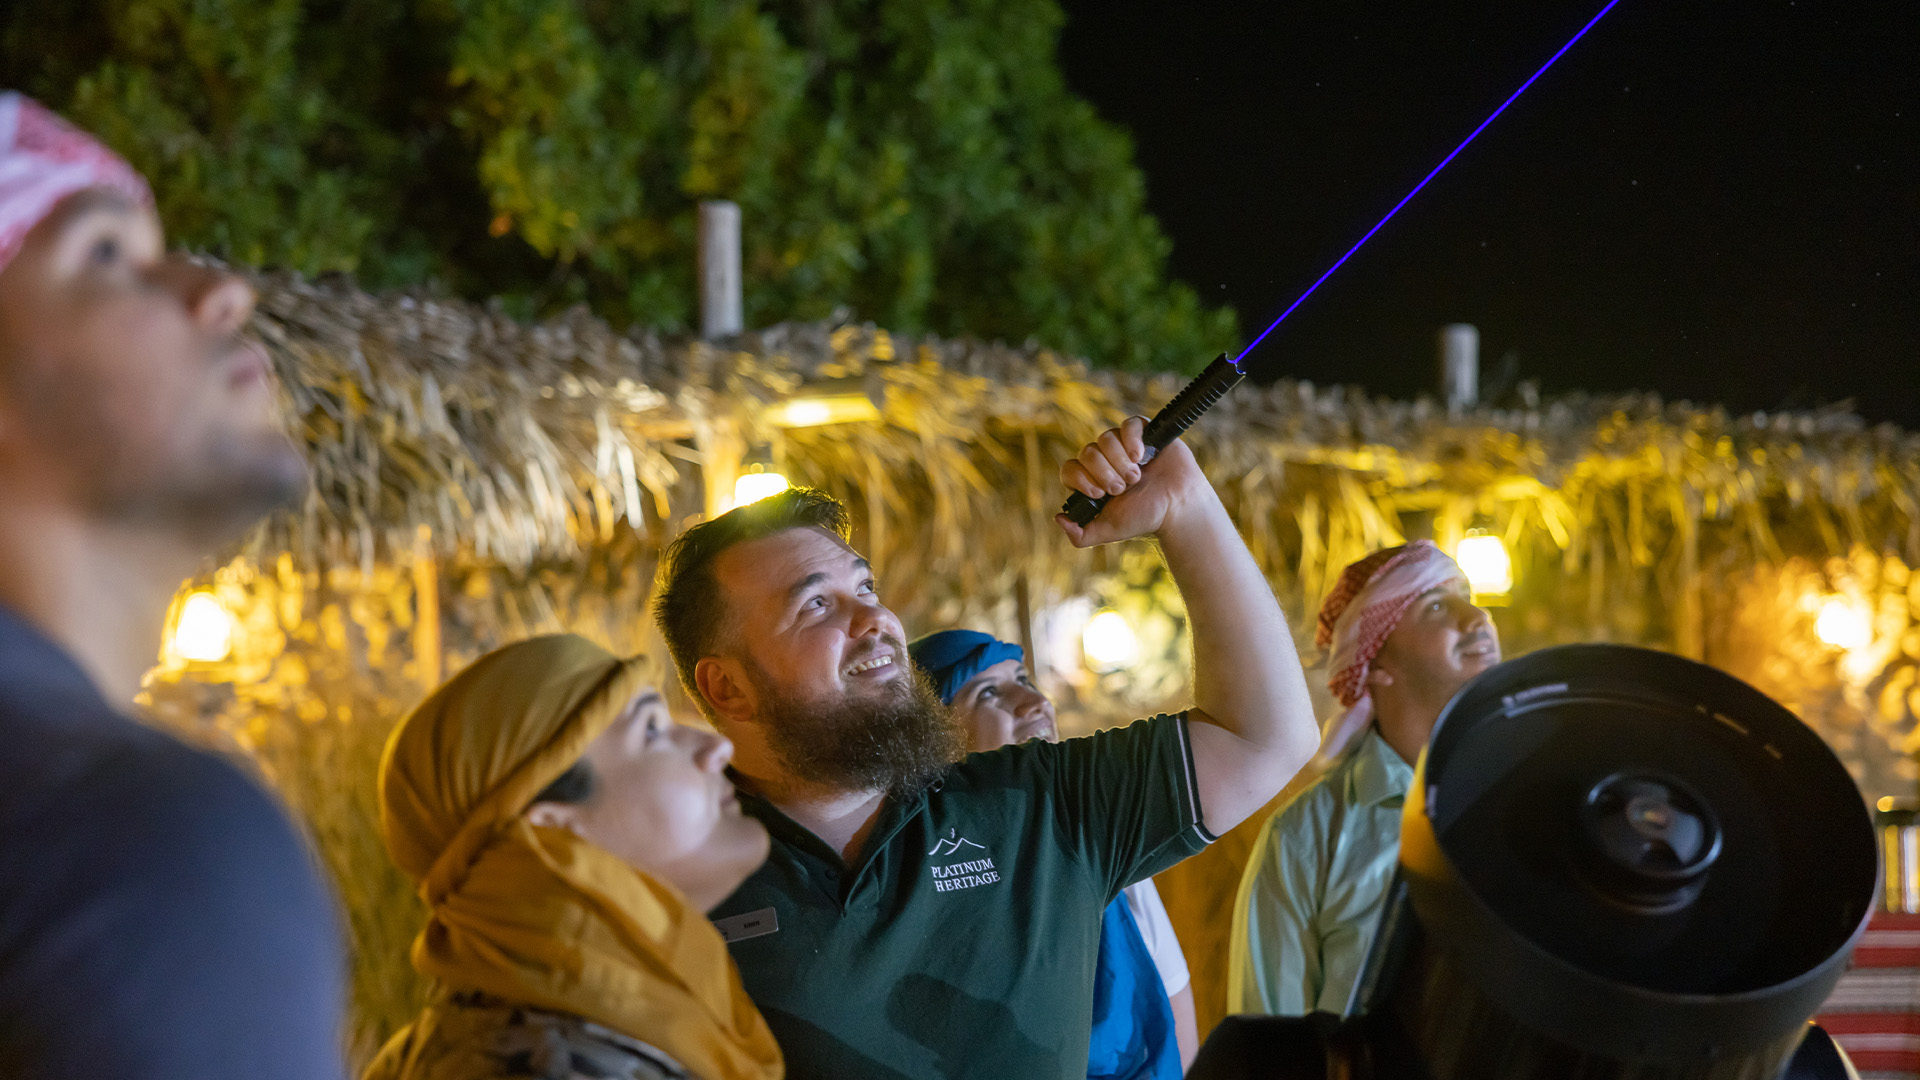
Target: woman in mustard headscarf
568 838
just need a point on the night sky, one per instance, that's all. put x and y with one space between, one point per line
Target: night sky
1717 201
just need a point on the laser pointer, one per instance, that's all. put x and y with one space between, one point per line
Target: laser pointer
1175 417
1224 374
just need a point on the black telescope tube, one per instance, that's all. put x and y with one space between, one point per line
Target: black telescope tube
1177 416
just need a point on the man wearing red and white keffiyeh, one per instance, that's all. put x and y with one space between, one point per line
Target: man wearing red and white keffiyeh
1397 673
1403 636
160 917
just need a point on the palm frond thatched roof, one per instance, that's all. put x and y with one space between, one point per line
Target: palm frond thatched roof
517 443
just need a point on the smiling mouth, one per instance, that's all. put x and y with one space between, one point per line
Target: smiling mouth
884 660
1043 730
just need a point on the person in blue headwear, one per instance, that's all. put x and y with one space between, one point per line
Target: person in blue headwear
1143 1016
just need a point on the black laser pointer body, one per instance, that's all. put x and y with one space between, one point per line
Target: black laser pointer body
1177 416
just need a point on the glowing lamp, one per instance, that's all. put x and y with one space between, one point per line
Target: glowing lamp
852 399
204 631
817 409
1109 642
1483 558
751 487
807 413
1843 625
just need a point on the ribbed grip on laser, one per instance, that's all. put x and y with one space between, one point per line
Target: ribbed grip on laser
1177 416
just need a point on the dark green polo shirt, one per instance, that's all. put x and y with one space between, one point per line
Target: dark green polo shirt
962 943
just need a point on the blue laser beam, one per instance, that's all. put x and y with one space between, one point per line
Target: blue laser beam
1423 183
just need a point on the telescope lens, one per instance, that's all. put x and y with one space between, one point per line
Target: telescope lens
1648 840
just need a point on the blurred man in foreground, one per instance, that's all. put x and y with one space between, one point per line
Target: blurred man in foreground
927 917
1143 1017
158 915
1404 636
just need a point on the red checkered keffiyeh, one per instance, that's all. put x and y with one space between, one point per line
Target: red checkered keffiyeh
1368 601
44 159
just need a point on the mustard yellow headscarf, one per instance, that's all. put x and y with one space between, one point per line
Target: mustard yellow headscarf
538 916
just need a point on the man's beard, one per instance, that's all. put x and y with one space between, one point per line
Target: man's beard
900 740
235 481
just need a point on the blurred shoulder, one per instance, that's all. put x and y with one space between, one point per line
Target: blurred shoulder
117 802
163 916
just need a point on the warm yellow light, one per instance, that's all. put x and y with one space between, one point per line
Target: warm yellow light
807 413
815 410
751 487
1483 558
1109 642
1843 625
204 632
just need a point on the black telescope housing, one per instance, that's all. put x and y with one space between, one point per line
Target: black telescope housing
1615 864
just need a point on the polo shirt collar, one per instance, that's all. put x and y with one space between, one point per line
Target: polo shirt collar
893 815
1376 774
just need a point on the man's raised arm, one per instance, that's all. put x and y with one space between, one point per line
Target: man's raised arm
1252 725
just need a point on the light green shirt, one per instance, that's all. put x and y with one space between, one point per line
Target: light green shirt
1314 886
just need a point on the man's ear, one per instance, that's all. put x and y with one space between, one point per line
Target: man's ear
722 683
553 815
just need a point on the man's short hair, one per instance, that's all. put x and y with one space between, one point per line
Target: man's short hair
687 602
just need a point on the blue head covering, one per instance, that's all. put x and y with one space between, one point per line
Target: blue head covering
952 657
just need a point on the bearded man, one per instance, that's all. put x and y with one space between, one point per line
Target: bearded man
1404 636
158 916
923 916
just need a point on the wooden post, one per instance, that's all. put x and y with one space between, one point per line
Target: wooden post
1023 611
720 303
1039 523
1459 366
721 449
427 654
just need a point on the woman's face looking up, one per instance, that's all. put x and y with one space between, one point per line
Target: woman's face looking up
660 801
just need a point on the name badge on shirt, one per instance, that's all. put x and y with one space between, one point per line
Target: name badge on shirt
751 925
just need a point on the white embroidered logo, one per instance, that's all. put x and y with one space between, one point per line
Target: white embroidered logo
967 874
953 843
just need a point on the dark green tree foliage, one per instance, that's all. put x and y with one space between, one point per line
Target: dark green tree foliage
918 161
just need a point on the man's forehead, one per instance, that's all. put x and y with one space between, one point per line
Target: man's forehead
82 209
1456 587
91 199
774 564
83 206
